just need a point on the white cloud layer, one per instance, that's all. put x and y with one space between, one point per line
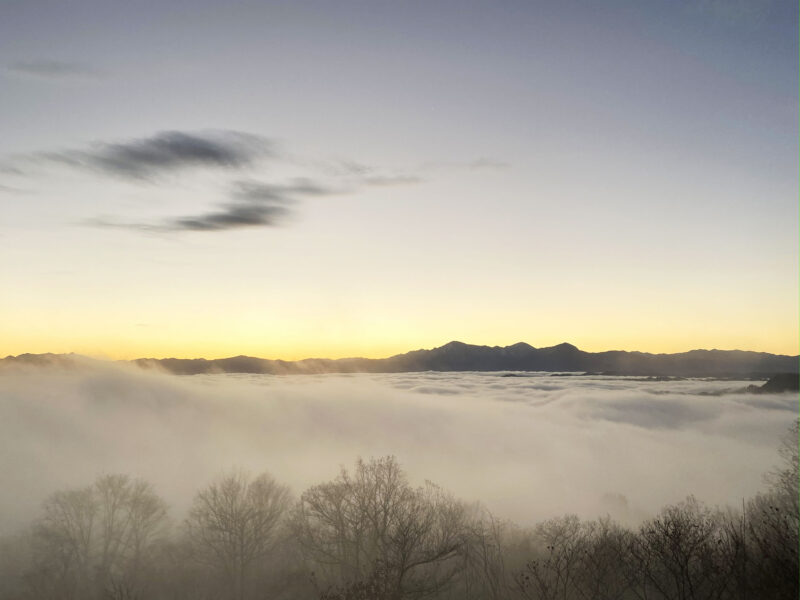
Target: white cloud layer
526 447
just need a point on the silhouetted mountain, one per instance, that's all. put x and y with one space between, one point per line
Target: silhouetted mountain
458 356
65 361
782 382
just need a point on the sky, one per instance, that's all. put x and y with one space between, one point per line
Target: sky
298 179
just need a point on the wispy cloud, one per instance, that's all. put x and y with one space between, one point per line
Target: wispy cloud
164 152
254 191
392 180
7 189
230 216
254 204
54 69
248 203
482 163
363 174
488 163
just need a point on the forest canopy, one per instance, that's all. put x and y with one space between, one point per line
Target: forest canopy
369 534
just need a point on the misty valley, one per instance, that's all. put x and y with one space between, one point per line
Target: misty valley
124 483
269 271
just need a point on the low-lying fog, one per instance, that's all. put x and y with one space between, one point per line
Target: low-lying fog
526 447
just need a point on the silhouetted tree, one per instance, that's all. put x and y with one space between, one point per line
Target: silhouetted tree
233 524
484 574
373 527
603 553
772 523
680 554
93 542
551 574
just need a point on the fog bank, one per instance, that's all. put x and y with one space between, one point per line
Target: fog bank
526 447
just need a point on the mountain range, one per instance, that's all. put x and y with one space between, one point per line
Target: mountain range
458 356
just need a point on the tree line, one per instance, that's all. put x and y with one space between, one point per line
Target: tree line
368 534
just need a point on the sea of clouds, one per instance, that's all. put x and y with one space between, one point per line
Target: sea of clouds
527 447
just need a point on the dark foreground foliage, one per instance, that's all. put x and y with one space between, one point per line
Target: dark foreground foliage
369 535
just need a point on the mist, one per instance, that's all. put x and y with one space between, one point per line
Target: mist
526 447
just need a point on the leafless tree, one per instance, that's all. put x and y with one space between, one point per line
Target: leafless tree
680 554
603 553
234 523
372 526
551 574
484 572
771 534
784 481
95 539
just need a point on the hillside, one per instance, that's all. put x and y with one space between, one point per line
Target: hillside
458 356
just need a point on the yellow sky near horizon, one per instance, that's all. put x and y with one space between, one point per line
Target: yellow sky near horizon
373 337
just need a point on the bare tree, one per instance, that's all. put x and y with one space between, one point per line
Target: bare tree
680 554
234 522
372 528
772 523
551 574
63 545
94 540
484 574
784 481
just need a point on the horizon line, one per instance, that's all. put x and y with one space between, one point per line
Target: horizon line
355 357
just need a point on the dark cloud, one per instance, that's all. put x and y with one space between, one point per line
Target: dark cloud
165 152
249 203
231 216
234 215
54 69
255 204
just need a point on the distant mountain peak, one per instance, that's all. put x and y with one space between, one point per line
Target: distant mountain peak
459 356
562 348
454 344
520 346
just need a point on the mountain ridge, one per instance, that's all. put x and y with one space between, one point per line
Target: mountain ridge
460 356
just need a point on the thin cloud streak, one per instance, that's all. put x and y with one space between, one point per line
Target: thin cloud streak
370 175
255 191
482 163
231 216
255 204
143 159
488 163
54 69
387 181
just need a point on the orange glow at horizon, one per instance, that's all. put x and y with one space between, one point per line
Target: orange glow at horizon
293 328
333 349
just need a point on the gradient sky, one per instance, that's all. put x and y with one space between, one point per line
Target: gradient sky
293 179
